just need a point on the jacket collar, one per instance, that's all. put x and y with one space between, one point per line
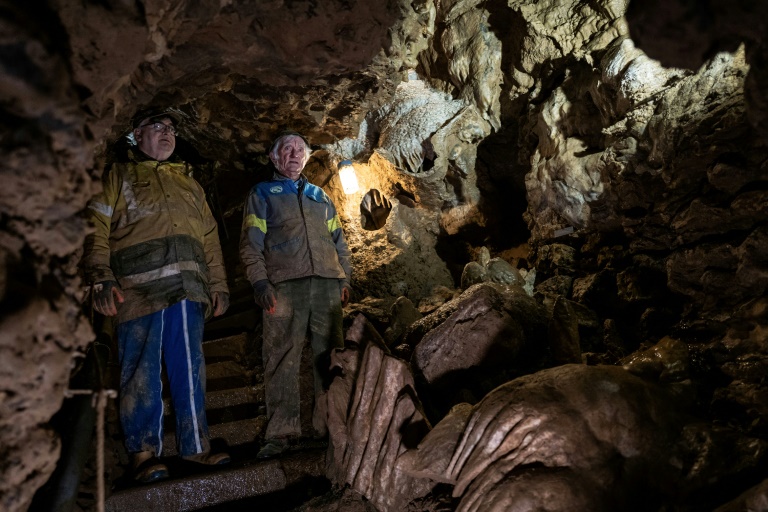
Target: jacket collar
177 164
276 176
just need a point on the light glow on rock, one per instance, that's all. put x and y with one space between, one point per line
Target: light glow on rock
348 177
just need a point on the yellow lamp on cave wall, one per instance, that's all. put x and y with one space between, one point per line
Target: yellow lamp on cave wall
348 177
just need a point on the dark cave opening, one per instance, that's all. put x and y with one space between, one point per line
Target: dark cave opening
501 180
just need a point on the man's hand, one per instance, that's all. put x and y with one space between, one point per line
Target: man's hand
104 295
344 288
220 303
264 293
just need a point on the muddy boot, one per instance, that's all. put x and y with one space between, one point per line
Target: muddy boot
273 448
147 467
209 459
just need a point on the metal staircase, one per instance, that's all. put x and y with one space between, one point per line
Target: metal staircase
236 421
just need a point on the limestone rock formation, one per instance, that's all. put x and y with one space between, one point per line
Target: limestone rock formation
624 143
667 361
683 34
402 313
47 154
591 420
564 338
374 416
492 333
487 269
593 438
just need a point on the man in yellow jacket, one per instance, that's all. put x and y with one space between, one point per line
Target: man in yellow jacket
155 262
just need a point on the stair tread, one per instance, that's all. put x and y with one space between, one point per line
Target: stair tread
235 433
223 369
247 319
235 338
219 399
231 483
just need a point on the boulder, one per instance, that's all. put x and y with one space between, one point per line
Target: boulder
439 296
556 285
496 270
554 259
487 340
667 360
499 271
599 435
564 339
474 273
597 291
402 313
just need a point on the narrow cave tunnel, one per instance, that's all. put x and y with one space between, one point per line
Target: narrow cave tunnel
558 236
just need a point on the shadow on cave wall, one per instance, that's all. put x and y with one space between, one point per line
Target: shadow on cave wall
501 181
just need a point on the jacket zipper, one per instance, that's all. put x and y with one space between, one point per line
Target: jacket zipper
162 191
306 230
173 226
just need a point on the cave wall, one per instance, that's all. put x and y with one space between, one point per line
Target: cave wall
47 154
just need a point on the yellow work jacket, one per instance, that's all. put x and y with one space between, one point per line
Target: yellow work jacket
155 235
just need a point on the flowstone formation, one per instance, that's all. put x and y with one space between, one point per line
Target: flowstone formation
572 437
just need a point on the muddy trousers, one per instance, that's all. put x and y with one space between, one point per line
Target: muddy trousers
308 306
175 335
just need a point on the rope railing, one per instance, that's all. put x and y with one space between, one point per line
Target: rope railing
98 402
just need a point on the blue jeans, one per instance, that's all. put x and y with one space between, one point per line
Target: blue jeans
175 335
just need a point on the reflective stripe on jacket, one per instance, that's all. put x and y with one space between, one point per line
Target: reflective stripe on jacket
155 235
292 231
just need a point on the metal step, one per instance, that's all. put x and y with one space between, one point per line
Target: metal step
234 433
224 398
234 402
232 397
228 347
224 369
222 486
232 322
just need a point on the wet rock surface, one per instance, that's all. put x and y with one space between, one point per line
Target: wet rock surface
493 333
609 417
601 437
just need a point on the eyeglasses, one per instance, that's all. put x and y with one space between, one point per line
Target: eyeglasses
161 127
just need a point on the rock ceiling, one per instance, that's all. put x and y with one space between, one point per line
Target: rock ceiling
624 142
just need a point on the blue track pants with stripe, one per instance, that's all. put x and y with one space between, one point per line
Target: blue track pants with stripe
175 335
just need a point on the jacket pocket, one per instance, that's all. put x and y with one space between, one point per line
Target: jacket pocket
284 246
139 200
142 192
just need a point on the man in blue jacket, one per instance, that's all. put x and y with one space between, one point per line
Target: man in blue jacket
295 256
